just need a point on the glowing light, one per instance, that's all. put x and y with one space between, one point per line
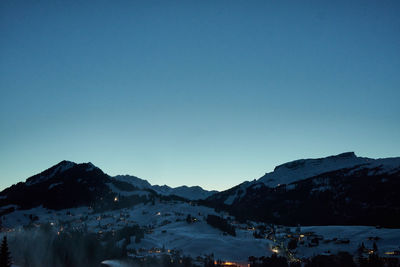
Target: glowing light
226 263
275 250
115 199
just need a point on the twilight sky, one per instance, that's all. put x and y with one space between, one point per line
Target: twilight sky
207 93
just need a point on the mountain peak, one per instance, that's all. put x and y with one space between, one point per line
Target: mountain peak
300 163
303 168
60 167
133 180
344 155
65 162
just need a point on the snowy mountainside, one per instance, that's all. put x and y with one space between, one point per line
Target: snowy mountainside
305 168
342 189
68 184
295 171
50 173
133 180
188 192
64 185
330 206
166 229
345 189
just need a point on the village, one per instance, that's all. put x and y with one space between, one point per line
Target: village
180 228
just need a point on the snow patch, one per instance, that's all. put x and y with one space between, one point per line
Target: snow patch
191 193
135 181
127 193
307 168
62 167
90 167
55 184
229 200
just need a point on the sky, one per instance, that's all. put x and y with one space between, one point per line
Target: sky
208 93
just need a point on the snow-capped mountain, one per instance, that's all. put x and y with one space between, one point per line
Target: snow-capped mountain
341 189
64 185
188 192
51 172
68 184
329 197
305 168
133 180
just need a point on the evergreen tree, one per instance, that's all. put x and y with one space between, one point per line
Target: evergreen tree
361 249
5 258
292 244
375 247
189 218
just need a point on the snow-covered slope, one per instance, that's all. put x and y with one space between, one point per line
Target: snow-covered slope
346 189
133 180
87 183
191 193
305 168
355 191
50 173
167 229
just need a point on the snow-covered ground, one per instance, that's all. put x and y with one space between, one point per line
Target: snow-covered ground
168 229
385 239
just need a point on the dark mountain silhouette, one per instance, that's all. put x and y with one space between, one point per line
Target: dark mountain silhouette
337 190
68 185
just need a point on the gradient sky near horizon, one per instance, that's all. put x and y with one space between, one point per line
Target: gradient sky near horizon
207 93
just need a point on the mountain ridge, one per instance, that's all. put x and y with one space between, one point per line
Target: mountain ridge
305 168
51 185
354 190
344 188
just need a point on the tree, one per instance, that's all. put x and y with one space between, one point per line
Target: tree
375 247
361 249
5 258
292 244
137 239
221 223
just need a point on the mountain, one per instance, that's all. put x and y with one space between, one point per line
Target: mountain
341 189
188 192
304 168
337 190
64 185
70 209
68 184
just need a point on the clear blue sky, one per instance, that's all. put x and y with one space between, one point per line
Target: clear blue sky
207 93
